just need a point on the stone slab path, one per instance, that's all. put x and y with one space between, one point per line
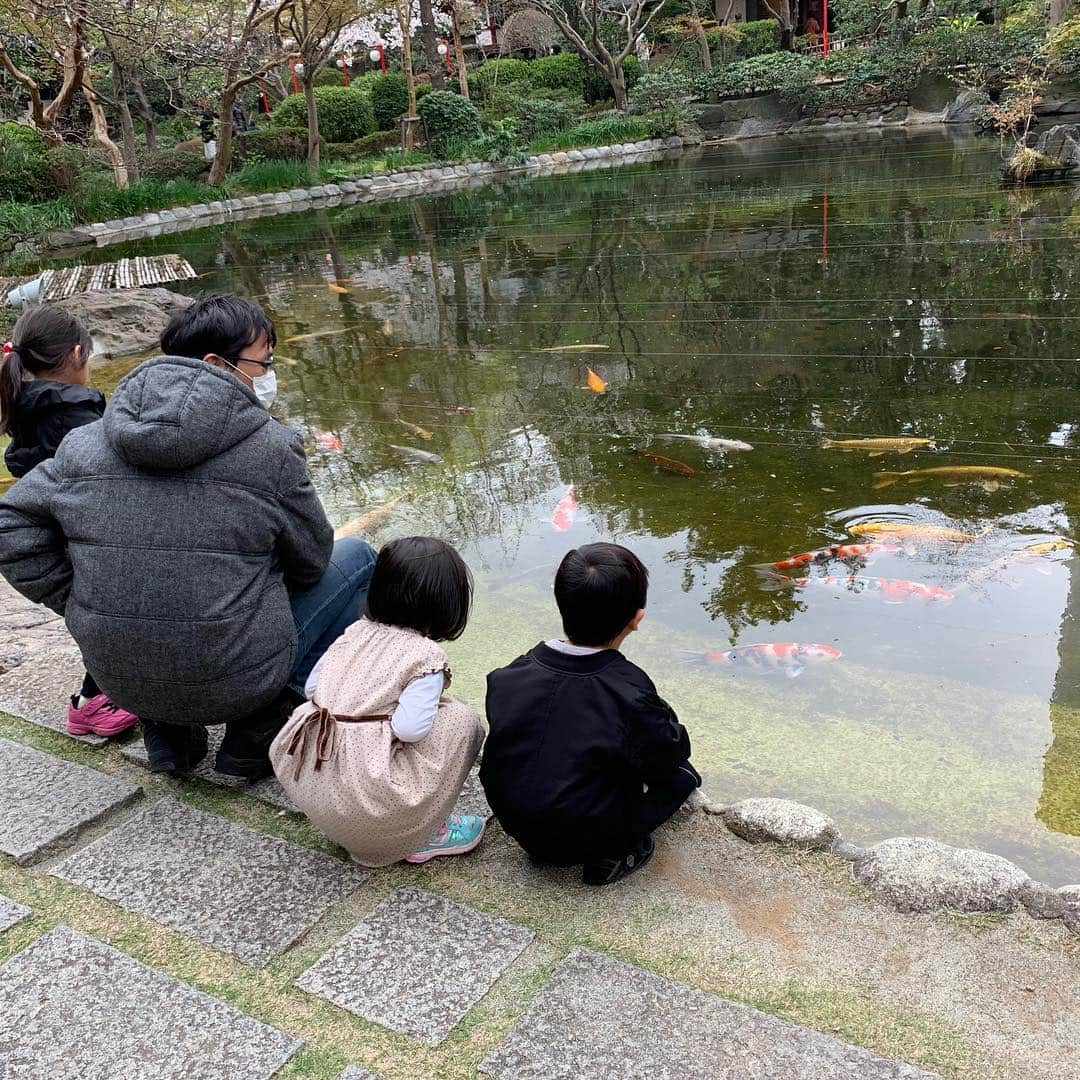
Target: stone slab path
598 1018
243 892
355 1073
46 801
11 913
73 1008
39 692
417 963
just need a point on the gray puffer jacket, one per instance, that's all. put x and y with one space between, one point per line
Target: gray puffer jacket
170 534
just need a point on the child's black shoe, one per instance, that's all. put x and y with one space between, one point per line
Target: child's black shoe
608 871
174 748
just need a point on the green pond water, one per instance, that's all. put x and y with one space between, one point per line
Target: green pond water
779 293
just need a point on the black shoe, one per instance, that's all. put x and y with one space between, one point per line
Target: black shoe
608 871
174 748
245 750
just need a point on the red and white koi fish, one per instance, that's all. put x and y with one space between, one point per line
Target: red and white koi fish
893 590
788 657
827 554
328 441
565 512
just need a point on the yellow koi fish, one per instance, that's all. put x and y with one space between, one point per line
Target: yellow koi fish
415 429
989 477
574 348
367 521
333 287
878 446
1045 547
595 383
903 530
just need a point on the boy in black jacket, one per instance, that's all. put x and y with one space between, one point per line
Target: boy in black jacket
584 759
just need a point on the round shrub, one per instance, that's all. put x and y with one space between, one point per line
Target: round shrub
448 118
174 163
389 99
25 175
535 118
345 113
269 144
563 71
760 36
496 73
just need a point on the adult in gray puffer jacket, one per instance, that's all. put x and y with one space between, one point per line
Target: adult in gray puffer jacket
183 542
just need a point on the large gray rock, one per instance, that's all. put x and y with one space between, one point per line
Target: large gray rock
968 107
598 1018
125 322
1061 143
782 821
918 874
1043 901
73 1008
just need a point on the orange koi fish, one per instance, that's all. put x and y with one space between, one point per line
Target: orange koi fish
893 590
827 554
415 429
565 512
670 464
328 441
333 287
595 383
789 657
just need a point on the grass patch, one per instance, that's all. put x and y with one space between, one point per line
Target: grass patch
600 132
21 221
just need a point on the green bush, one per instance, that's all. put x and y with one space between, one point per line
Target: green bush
345 113
447 118
1063 47
597 88
537 117
760 37
329 75
875 73
389 99
788 73
270 144
494 73
662 97
365 147
563 71
25 175
168 164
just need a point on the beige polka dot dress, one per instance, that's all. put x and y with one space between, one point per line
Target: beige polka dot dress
341 764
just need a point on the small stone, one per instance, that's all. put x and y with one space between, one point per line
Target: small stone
200 210
73 1008
151 219
249 202
365 183
1072 920
782 821
1043 901
417 963
98 228
850 852
919 874
183 213
233 205
216 207
268 198
575 155
546 159
45 801
332 190
232 888
283 198
348 186
354 1072
10 914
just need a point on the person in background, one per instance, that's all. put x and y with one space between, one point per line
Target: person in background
44 396
185 546
584 759
376 758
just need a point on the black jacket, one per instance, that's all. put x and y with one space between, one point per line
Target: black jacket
573 740
44 413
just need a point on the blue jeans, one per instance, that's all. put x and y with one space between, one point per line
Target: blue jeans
334 602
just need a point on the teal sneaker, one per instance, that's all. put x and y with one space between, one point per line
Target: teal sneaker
461 833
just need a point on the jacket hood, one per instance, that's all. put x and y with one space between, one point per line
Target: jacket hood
173 413
40 394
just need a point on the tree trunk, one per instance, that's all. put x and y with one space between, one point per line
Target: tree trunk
617 77
403 9
459 54
223 157
1055 12
312 121
703 42
101 133
431 45
127 125
146 112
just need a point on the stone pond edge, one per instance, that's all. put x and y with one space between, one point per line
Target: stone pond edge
434 178
913 874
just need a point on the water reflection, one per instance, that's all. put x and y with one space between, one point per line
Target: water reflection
777 293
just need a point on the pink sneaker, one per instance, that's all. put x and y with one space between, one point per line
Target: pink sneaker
99 716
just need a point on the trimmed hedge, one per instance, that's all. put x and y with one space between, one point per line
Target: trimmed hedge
270 144
25 175
537 117
447 118
494 74
563 71
176 163
362 148
345 113
759 37
389 99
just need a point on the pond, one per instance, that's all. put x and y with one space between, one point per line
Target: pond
779 293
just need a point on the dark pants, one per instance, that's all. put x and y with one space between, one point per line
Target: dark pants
593 840
321 615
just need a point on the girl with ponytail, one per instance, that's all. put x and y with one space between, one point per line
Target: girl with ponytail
43 396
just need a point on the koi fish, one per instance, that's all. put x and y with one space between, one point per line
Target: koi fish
893 590
424 456
288 360
574 348
878 446
595 383
367 521
709 442
415 428
824 555
989 477
1045 547
670 464
461 410
565 512
903 530
789 657
328 441
337 288
319 333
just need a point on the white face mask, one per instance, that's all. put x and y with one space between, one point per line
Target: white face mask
265 387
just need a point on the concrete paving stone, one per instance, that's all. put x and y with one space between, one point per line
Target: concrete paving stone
10 914
354 1072
39 692
73 1008
597 1018
45 801
249 895
417 963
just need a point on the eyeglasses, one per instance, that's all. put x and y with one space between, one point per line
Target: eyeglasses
266 365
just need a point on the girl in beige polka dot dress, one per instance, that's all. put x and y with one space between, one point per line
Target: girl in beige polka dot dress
377 757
